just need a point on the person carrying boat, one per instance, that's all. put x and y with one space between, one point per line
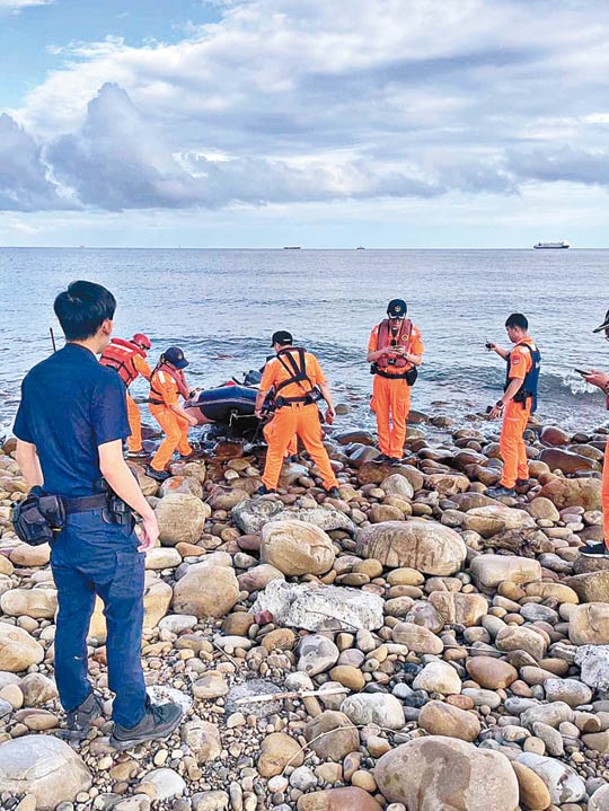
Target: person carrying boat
395 350
601 381
128 358
518 402
297 380
167 385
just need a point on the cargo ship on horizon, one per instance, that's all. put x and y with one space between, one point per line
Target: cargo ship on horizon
551 245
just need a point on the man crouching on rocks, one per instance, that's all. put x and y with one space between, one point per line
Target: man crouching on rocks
70 429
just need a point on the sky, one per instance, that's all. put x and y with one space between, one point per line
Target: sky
321 123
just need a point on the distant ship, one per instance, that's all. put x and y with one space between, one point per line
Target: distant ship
291 247
551 245
360 248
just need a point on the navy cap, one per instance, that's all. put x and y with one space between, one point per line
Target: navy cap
175 356
282 337
397 308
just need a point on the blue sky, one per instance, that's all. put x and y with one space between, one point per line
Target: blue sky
423 123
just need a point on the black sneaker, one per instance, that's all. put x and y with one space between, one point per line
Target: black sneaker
394 460
188 456
80 718
159 722
500 492
332 492
523 482
382 457
264 491
159 475
595 550
141 454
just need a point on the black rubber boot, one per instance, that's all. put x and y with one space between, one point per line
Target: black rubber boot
159 722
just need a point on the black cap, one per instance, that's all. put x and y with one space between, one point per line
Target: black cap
397 308
282 337
175 356
604 325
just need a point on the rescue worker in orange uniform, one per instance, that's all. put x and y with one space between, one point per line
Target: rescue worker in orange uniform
519 401
296 379
270 428
601 381
395 349
128 358
167 385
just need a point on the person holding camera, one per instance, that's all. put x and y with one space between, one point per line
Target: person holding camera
518 402
70 428
395 350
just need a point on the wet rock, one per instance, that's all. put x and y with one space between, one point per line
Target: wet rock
18 650
490 570
438 677
563 783
320 608
589 624
427 546
359 436
377 472
297 548
331 735
181 518
553 436
542 509
567 461
206 591
279 750
374 708
45 767
438 718
447 484
338 799
441 772
250 516
584 492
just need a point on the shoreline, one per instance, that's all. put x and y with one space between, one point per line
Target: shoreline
442 613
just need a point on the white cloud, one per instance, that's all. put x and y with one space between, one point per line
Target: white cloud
19 5
285 101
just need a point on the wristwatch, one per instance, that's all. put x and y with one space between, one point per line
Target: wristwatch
500 404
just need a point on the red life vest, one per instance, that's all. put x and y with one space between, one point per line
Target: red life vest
178 376
385 338
120 356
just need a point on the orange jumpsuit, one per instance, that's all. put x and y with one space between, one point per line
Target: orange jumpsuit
605 494
174 426
294 419
391 399
515 420
134 442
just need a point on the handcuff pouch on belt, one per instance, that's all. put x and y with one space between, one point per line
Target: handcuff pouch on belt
38 517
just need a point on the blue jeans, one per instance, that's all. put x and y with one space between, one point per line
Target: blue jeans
92 557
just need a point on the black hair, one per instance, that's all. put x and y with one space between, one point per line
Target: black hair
83 308
517 320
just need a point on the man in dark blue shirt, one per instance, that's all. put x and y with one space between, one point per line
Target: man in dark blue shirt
70 429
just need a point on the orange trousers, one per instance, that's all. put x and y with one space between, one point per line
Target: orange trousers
176 436
134 442
391 404
302 420
605 494
511 443
270 432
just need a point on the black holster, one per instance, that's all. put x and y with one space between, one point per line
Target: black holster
116 510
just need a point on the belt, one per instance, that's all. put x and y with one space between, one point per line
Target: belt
156 402
83 504
387 376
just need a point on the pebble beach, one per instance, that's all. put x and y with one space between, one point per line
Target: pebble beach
413 645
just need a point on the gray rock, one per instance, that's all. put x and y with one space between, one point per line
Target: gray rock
563 783
250 516
374 708
168 783
571 691
551 714
320 608
594 663
45 767
317 654
252 689
323 516
210 801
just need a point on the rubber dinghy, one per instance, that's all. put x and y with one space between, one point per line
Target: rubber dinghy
226 404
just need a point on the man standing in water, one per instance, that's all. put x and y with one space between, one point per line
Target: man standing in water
601 381
70 429
395 349
518 402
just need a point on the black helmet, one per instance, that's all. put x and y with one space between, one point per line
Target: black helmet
397 308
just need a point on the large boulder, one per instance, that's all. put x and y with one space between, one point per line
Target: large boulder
322 516
18 650
567 461
589 624
585 492
45 767
296 548
181 484
426 774
181 518
36 603
592 587
251 515
427 546
490 570
206 590
553 436
505 517
320 608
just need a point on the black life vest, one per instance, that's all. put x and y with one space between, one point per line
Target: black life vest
297 369
530 384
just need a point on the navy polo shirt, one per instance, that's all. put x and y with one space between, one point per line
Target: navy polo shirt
71 404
